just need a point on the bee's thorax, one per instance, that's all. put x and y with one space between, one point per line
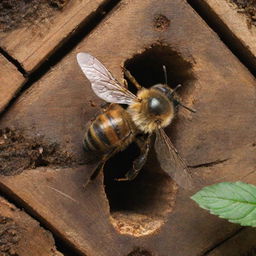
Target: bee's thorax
152 111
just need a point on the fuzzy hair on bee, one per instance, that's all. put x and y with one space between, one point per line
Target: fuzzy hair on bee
148 112
152 110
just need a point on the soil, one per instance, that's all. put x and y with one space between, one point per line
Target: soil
15 14
18 153
248 7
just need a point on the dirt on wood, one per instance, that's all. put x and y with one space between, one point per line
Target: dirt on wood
21 235
18 153
9 236
248 7
15 14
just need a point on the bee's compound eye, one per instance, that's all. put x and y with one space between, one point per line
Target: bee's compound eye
157 106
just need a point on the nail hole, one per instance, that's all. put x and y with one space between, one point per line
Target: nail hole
161 22
140 207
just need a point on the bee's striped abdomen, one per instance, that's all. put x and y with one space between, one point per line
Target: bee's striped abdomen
109 130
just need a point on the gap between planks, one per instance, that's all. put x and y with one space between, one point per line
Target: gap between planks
62 49
225 34
222 241
62 245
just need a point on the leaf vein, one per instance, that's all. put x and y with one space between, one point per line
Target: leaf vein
230 199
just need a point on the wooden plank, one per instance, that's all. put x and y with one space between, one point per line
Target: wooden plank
234 20
34 36
148 213
10 81
243 243
21 235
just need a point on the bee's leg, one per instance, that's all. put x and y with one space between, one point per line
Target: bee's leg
100 166
125 83
131 78
140 161
95 173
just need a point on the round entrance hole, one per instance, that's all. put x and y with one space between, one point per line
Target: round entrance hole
147 68
141 206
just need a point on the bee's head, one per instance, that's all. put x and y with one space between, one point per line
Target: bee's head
152 111
166 90
157 105
170 94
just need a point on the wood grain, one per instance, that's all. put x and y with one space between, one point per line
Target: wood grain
32 42
233 24
11 81
22 235
243 243
62 102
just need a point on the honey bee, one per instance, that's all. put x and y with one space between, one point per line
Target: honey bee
147 113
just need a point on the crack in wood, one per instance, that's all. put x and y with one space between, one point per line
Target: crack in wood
209 164
62 49
13 61
64 246
218 244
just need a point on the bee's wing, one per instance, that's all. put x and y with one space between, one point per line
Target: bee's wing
103 83
170 161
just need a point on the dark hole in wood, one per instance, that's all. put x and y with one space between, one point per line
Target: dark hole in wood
147 68
140 252
140 207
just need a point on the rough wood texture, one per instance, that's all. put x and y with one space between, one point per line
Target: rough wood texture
30 42
234 20
10 81
58 107
21 235
242 244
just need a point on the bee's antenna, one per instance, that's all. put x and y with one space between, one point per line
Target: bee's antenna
176 88
190 109
165 74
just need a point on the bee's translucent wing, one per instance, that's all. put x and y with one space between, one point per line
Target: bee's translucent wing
103 83
171 162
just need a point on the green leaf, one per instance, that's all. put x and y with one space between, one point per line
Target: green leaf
233 201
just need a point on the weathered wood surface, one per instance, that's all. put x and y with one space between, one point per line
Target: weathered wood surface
58 107
21 235
235 21
31 42
243 243
10 81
